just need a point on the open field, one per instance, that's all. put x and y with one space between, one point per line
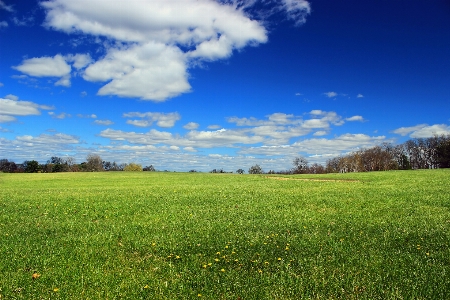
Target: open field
146 235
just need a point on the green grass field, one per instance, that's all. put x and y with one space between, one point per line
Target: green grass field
147 235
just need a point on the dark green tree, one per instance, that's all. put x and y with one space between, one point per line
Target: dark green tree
31 166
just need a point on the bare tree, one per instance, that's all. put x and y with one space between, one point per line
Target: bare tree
94 163
300 165
256 169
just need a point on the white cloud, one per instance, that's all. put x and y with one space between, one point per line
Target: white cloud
153 66
3 24
151 71
191 126
139 123
11 106
157 41
12 97
79 60
6 7
213 127
297 10
330 94
355 118
45 66
83 94
58 138
91 116
320 133
406 130
360 96
64 81
423 130
60 116
1 84
165 120
103 122
6 119
429 131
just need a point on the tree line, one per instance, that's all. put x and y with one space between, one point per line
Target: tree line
419 153
93 163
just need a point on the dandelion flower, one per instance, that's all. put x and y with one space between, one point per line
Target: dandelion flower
279 258
146 286
216 259
222 270
55 290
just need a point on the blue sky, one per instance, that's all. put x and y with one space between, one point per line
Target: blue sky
212 84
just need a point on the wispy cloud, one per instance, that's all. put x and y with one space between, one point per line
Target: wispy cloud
355 118
6 7
360 96
330 94
60 116
103 122
165 120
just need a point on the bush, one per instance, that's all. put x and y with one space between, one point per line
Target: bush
133 167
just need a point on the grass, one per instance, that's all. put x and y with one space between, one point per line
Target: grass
145 235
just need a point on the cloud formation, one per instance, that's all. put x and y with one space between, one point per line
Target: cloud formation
155 43
423 130
12 107
166 120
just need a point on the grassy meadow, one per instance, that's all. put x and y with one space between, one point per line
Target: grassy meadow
147 235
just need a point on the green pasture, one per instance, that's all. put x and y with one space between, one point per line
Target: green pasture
151 235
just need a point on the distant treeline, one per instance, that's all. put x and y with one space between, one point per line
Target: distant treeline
419 153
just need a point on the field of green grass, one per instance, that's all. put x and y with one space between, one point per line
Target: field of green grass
147 235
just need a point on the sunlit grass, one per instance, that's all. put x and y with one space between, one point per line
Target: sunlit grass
152 235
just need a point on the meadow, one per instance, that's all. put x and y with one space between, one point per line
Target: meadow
152 235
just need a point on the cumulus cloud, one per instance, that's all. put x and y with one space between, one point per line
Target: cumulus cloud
165 120
45 66
277 129
11 107
79 60
191 126
56 66
151 71
156 42
423 130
